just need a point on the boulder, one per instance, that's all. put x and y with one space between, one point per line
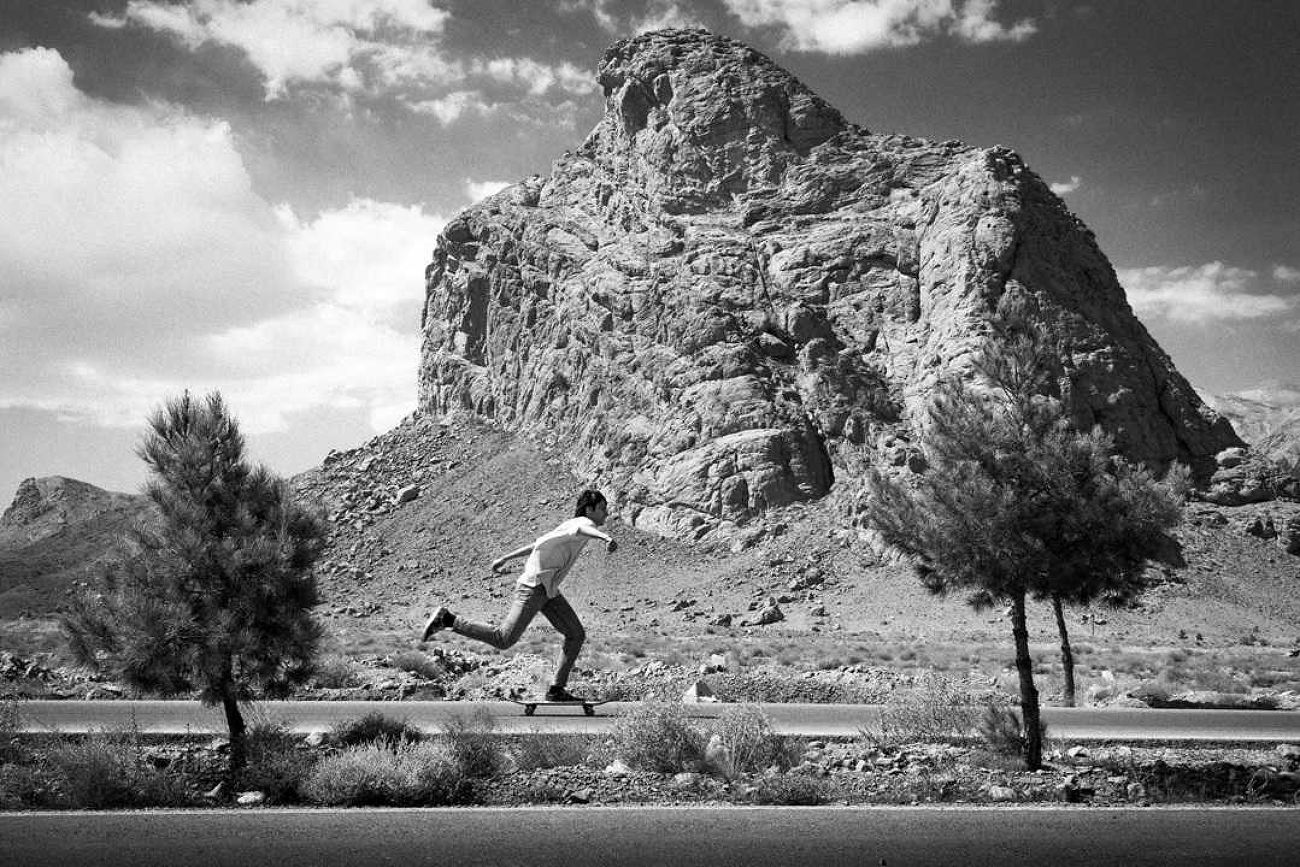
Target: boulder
1002 794
1262 527
728 296
699 692
1289 536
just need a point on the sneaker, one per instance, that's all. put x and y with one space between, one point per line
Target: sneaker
440 619
559 693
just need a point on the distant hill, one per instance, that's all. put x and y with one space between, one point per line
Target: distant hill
1267 417
56 531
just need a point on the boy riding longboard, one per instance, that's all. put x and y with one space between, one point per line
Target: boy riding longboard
550 558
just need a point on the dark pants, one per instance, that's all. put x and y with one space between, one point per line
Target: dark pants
528 601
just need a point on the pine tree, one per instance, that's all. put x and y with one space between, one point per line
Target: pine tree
215 594
1016 504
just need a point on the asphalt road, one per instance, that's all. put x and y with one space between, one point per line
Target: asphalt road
577 837
820 720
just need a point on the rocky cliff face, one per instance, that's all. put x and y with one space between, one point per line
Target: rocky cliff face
729 298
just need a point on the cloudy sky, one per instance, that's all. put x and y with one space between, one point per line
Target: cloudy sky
243 194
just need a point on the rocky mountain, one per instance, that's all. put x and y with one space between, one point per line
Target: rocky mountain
729 298
55 531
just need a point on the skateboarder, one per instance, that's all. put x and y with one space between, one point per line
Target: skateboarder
538 589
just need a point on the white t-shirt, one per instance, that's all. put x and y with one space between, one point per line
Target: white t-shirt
553 555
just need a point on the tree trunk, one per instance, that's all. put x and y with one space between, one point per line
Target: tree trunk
1028 692
1067 655
235 723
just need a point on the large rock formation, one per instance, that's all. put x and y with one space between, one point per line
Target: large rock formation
729 298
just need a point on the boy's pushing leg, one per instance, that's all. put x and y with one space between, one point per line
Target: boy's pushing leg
528 601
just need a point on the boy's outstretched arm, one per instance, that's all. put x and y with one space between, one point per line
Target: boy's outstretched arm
506 558
610 545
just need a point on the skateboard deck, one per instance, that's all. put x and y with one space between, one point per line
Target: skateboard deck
532 704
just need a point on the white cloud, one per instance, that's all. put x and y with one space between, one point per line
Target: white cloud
614 19
297 41
136 260
1286 274
1199 294
537 78
857 26
377 48
477 190
452 107
1067 187
974 23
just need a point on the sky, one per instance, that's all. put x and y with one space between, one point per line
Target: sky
242 194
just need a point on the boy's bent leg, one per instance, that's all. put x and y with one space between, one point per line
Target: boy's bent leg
565 619
527 602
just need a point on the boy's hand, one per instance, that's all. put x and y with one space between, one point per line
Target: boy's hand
497 564
611 546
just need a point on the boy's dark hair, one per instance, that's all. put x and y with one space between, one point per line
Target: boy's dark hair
588 500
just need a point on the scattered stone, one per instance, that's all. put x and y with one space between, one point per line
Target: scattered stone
407 494
716 662
215 792
699 693
1262 527
1229 458
768 614
314 739
1289 536
716 753
1002 793
617 768
251 799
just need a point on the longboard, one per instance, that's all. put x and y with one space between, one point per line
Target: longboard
532 704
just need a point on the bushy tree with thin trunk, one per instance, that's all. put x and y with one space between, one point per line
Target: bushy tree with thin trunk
215 593
1017 504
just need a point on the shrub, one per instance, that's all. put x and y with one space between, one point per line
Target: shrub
10 745
335 672
1002 731
372 727
108 770
415 662
473 743
277 765
747 741
552 751
656 736
792 790
25 786
935 709
401 774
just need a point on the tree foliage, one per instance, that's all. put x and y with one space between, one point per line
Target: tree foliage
215 594
1016 502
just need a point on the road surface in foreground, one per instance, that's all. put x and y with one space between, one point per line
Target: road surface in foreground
597 836
813 720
